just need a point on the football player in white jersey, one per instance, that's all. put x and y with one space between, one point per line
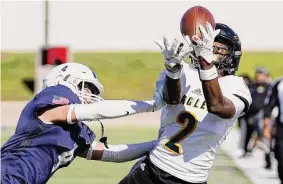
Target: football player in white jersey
203 100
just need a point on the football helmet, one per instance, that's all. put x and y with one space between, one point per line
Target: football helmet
78 78
229 61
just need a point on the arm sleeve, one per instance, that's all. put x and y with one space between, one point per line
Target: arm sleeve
126 152
109 109
158 97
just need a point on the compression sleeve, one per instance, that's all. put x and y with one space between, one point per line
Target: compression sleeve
109 109
124 152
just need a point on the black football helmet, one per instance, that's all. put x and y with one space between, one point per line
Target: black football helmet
230 63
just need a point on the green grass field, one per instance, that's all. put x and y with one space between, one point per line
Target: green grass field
130 75
95 172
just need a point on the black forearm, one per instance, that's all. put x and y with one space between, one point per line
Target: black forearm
216 102
172 91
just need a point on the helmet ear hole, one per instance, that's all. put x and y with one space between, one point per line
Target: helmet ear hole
80 85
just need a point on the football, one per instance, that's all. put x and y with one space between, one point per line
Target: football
194 17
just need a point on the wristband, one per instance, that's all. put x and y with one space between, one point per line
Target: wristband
208 74
174 72
176 75
69 114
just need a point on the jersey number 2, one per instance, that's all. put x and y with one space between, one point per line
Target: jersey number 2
189 124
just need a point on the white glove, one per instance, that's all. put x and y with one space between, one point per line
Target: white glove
204 47
173 55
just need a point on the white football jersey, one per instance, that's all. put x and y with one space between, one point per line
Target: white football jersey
189 135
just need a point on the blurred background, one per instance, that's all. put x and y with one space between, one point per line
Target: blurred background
116 39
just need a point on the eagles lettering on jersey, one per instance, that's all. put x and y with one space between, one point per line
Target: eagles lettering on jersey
38 149
194 102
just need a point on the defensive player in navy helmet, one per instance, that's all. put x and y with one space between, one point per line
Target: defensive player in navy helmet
50 132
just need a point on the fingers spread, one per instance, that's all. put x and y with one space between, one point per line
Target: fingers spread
174 45
165 42
203 32
160 46
196 39
179 49
209 29
187 39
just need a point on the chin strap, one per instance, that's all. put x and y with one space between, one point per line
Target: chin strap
103 139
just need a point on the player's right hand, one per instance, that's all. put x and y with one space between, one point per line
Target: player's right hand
173 54
204 47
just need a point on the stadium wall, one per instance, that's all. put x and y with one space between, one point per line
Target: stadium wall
93 25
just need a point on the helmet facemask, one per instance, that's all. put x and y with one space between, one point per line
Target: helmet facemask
88 92
226 56
221 55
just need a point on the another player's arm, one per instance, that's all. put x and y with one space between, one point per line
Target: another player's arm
216 102
172 90
173 55
172 87
107 109
118 153
272 102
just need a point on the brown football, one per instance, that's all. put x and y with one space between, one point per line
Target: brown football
194 17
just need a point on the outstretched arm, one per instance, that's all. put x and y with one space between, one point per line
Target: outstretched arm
172 90
170 86
118 153
107 109
173 55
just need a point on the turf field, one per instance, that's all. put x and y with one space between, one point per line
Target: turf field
130 75
94 172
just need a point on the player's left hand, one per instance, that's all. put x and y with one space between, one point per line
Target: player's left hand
173 54
204 47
